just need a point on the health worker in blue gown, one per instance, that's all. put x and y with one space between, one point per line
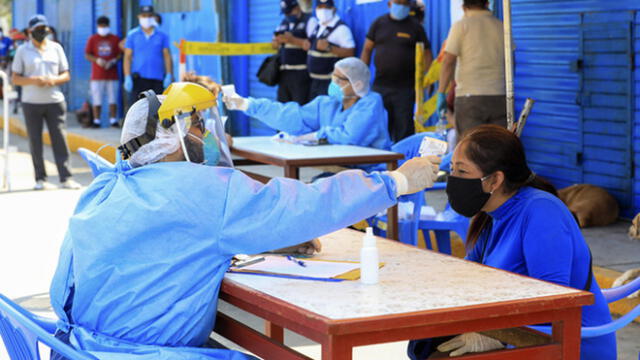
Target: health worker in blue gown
351 114
150 240
519 225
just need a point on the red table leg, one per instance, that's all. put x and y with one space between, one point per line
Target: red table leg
335 348
273 331
567 333
292 172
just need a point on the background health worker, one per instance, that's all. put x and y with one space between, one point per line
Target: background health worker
519 225
150 241
350 115
147 57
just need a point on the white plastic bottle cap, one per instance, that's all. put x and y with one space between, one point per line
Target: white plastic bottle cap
369 240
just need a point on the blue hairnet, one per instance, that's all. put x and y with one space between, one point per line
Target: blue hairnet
357 72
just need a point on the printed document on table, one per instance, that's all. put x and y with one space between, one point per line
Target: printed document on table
274 264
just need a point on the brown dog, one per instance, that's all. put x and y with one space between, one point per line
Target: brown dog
591 205
627 277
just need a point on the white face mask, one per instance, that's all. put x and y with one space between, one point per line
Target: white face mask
324 15
103 31
146 22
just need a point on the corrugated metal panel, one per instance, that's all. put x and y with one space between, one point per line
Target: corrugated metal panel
22 11
573 57
636 132
199 25
74 27
264 16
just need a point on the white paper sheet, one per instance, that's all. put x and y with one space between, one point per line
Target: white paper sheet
313 268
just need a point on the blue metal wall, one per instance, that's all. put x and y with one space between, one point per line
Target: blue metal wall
199 25
264 16
575 59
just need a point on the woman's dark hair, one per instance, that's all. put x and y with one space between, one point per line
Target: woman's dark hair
493 148
475 3
103 20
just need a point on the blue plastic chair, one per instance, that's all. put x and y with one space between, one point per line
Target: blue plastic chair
611 295
96 162
441 224
21 331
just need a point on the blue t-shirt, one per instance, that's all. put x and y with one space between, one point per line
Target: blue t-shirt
534 234
148 59
5 46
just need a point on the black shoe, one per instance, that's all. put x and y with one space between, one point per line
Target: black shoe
115 125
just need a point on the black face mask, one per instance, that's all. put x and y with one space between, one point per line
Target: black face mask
466 196
39 34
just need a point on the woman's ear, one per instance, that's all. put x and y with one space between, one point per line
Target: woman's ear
498 181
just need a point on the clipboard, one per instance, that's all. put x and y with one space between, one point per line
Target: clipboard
303 269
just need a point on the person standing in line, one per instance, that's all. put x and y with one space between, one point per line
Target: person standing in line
147 58
394 37
289 39
40 66
475 51
330 41
103 52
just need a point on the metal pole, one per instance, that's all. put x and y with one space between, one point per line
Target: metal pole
508 61
522 120
5 142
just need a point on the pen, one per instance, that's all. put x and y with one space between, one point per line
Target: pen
294 277
299 262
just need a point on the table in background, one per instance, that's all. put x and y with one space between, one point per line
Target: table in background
291 157
420 294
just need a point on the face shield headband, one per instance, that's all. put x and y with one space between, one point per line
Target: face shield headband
149 135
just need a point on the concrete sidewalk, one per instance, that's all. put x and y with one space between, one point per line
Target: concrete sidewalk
613 251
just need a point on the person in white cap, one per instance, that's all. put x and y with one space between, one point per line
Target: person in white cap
40 67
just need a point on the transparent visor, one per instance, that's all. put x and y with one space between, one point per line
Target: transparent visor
184 122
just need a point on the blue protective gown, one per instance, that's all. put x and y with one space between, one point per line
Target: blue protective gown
534 234
363 124
147 248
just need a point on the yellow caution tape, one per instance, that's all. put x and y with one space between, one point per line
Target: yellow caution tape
226 49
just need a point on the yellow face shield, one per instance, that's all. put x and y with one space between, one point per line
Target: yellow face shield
185 97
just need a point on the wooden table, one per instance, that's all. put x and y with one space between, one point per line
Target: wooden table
420 294
291 157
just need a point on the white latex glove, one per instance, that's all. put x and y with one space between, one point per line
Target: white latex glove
307 248
283 137
415 174
469 342
101 62
310 138
236 102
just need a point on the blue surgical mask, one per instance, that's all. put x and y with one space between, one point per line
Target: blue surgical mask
335 91
210 149
399 12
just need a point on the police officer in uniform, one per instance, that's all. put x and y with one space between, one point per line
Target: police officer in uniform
330 41
289 38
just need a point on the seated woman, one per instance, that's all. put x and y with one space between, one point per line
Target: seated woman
350 115
518 225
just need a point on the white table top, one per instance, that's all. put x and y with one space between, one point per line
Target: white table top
412 280
264 144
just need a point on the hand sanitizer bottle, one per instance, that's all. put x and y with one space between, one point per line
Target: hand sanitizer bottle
369 265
